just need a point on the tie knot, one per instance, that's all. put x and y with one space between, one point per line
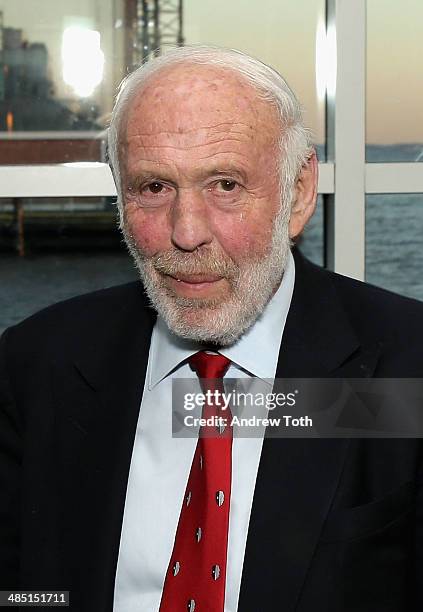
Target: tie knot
208 365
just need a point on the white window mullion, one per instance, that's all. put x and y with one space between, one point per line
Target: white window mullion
346 140
85 179
394 177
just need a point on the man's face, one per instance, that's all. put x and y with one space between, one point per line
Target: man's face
202 194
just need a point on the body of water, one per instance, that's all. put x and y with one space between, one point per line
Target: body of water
29 284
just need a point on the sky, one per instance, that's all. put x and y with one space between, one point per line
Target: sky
280 32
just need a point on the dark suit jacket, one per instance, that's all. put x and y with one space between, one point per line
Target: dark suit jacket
336 524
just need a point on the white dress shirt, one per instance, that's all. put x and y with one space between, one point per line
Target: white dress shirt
161 464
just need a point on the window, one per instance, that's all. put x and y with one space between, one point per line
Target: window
394 242
368 128
394 109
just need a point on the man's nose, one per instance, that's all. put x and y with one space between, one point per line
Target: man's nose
190 221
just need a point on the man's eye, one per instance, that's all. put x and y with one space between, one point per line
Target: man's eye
227 185
154 187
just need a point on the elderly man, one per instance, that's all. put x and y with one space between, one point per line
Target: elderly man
216 176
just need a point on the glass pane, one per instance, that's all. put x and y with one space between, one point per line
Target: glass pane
71 247
40 224
276 31
311 243
29 284
394 81
61 62
394 243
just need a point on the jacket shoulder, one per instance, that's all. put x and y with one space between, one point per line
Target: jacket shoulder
385 319
376 305
361 300
81 315
374 317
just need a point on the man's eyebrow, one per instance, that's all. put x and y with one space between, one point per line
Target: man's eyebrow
143 176
230 171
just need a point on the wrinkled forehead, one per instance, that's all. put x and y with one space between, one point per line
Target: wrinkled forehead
188 97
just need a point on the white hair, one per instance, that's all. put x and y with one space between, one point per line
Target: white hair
294 138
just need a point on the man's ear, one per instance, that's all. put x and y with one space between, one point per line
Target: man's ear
305 196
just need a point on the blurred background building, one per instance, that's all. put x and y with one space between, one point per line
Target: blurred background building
353 64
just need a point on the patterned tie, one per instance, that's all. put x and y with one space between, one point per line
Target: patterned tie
196 576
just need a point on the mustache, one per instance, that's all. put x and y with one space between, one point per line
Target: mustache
173 262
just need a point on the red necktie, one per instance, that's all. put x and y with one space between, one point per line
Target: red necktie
196 576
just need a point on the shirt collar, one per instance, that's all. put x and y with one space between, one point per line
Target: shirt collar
257 351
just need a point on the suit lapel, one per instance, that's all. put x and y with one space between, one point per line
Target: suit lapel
297 478
97 426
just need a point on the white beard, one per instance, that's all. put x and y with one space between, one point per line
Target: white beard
218 321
